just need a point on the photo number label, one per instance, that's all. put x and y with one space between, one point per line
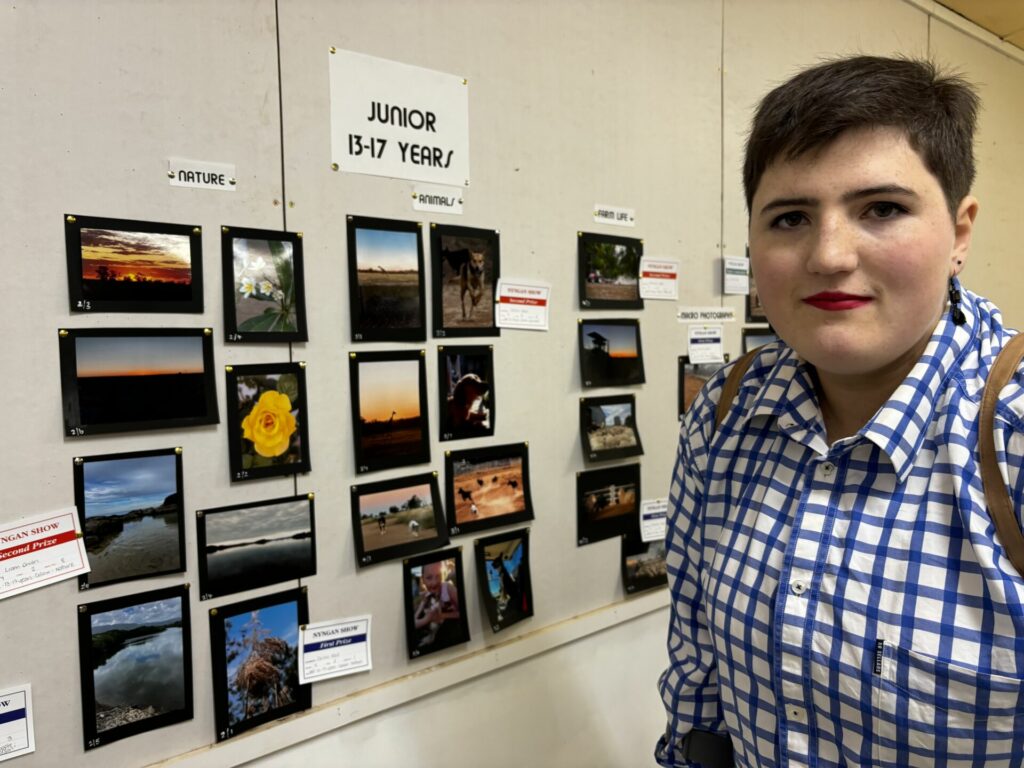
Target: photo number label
83 586
366 559
447 436
76 431
235 336
206 596
583 541
453 531
363 468
92 743
357 337
414 654
241 474
227 733
86 305
585 303
439 333
496 627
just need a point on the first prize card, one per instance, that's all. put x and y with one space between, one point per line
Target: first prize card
41 550
334 649
17 736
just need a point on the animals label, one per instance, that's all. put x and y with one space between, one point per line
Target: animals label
41 550
17 737
522 304
659 279
653 514
433 199
334 649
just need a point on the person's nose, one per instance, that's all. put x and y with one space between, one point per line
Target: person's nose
833 248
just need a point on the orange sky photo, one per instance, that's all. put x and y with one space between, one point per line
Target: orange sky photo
389 385
137 256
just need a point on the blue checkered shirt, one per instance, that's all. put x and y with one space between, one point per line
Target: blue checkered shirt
848 604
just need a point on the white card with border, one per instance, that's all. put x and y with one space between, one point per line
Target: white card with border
653 518
41 550
659 279
334 649
17 736
705 344
522 304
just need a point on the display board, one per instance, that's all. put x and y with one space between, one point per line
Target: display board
572 106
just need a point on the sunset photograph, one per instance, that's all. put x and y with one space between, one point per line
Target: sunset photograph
388 391
610 353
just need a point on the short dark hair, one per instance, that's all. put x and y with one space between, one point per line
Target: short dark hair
936 110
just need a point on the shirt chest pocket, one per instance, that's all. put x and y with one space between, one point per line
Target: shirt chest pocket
929 712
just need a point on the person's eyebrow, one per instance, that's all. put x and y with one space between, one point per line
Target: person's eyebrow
855 194
789 202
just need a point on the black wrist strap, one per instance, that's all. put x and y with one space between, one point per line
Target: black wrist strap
709 750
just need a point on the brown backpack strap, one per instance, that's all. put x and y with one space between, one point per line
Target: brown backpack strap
1000 506
732 386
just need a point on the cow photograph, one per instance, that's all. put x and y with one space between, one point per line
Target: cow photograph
487 487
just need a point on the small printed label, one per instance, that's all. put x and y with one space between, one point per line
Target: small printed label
653 515
200 174
705 344
735 275
659 279
435 199
522 304
611 214
706 315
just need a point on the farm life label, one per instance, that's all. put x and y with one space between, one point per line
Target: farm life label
41 550
334 648
201 175
434 199
17 736
397 120
610 214
522 304
659 279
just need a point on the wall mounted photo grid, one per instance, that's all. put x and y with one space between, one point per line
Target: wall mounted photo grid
397 518
131 379
255 655
607 503
609 271
608 428
611 354
135 655
264 287
466 389
692 378
268 426
435 602
487 487
121 265
643 564
466 266
503 571
389 409
256 544
757 337
385 280
130 509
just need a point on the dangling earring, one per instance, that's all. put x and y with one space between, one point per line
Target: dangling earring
955 312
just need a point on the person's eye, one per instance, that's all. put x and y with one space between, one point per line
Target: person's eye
884 209
788 220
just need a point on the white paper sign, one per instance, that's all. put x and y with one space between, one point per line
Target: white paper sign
40 551
334 649
653 516
17 736
393 119
522 304
610 214
705 344
659 278
736 275
200 174
706 315
437 199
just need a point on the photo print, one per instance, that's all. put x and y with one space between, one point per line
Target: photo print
435 602
389 409
268 427
643 564
247 546
255 655
607 503
608 428
120 265
609 271
264 293
466 382
692 378
503 570
397 518
130 509
135 655
757 337
610 353
466 267
385 278
129 379
487 487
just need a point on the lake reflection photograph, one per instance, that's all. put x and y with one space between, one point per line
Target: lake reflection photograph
129 505
252 545
135 656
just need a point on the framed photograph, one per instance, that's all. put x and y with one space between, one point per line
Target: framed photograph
246 546
268 426
466 384
466 266
130 507
609 271
135 655
643 564
130 379
264 287
607 503
397 518
120 265
692 378
503 570
608 428
757 337
255 655
487 487
610 353
385 280
755 309
435 602
389 409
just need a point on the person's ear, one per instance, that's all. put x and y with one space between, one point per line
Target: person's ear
963 228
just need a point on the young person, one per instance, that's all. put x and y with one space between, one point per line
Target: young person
840 596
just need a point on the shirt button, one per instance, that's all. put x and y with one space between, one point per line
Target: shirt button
828 468
798 587
795 713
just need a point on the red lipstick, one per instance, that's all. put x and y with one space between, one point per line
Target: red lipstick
836 301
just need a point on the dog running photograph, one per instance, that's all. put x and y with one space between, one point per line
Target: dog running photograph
465 274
